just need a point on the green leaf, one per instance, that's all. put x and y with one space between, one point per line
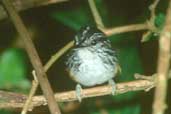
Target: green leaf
160 20
5 112
13 70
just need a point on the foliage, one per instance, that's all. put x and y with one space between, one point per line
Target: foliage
159 20
5 112
13 71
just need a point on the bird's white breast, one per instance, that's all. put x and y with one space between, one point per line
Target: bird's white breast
92 70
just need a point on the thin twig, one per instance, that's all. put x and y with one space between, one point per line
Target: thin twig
96 14
152 8
18 100
33 55
151 22
159 104
127 28
56 56
150 78
31 94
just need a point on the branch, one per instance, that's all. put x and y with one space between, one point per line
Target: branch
96 14
151 22
56 56
33 89
21 5
123 29
159 105
13 100
33 55
127 28
152 8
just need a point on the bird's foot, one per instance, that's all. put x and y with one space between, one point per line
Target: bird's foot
112 83
78 92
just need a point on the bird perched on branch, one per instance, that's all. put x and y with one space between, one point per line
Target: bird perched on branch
92 60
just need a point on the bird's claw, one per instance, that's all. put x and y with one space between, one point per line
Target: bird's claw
112 83
78 92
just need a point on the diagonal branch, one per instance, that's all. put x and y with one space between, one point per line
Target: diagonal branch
33 55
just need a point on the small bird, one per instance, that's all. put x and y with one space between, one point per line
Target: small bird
92 61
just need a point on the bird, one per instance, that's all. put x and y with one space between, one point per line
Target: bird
92 60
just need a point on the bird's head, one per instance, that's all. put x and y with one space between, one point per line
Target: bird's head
89 36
